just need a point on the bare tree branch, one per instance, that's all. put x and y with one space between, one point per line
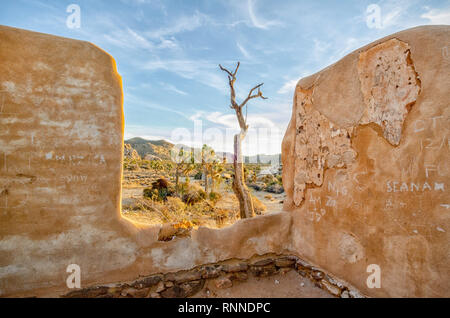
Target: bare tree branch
237 68
250 96
239 187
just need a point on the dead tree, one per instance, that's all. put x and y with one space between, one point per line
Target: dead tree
239 187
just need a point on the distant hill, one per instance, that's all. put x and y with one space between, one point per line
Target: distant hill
151 148
160 149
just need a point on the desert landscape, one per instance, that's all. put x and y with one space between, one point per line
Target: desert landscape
163 159
150 195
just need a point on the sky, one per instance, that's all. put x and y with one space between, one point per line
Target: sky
168 52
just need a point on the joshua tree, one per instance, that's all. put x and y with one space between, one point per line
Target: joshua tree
239 187
216 170
208 157
183 165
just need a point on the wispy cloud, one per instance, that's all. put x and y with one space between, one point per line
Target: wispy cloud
137 101
201 71
172 88
181 24
230 121
259 22
130 39
288 87
264 136
243 51
437 16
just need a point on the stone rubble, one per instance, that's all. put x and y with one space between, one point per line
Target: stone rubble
188 283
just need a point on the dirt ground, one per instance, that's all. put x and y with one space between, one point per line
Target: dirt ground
289 285
273 203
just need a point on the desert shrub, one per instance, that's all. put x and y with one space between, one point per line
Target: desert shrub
161 183
198 176
269 179
130 164
160 190
151 194
280 179
193 194
215 196
258 206
175 204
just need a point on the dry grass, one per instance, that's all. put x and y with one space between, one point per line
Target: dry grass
222 211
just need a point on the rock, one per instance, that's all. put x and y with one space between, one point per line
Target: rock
239 276
161 286
223 282
182 277
285 262
209 272
345 294
300 264
135 293
263 262
147 282
355 294
259 186
155 295
174 292
231 268
130 153
317 275
88 292
168 284
334 282
302 272
191 288
334 290
263 271
275 188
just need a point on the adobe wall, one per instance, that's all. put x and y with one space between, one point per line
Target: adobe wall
366 165
61 147
357 135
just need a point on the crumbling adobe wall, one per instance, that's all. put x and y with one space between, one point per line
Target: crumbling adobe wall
365 170
61 148
366 165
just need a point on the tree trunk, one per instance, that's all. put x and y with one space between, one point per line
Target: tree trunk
239 187
206 179
177 173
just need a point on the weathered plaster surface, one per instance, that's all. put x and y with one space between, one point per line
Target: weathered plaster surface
359 193
319 144
389 203
390 86
61 148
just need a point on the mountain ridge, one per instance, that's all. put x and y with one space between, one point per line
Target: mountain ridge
160 149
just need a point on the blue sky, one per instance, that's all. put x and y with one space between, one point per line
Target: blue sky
168 54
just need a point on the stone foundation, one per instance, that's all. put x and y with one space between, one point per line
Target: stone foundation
188 283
